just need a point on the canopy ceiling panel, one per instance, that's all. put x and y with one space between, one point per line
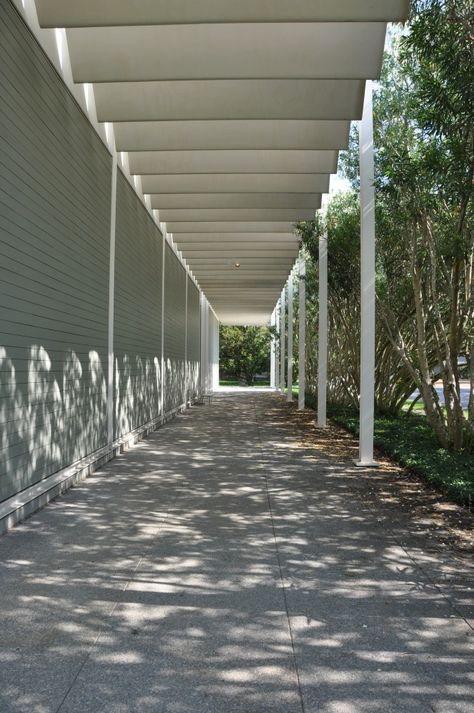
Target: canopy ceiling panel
236 254
237 99
234 161
89 13
227 51
236 200
232 113
237 183
270 236
229 227
240 214
232 134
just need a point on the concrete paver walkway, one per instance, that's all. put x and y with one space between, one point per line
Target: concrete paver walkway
221 566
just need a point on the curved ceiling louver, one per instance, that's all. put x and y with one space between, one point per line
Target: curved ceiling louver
232 114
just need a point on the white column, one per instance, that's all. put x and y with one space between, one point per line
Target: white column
186 345
204 345
272 353
323 330
277 355
163 257
302 334
367 280
215 353
110 348
289 396
282 340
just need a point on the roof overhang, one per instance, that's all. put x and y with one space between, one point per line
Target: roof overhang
232 115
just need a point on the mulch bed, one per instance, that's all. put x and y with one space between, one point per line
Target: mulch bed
447 524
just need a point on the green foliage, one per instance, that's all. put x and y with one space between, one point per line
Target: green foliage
411 443
244 352
424 172
341 225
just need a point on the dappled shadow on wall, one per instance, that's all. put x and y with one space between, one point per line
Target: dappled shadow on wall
174 383
137 392
51 414
193 379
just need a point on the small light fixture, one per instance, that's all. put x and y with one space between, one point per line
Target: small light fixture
237 264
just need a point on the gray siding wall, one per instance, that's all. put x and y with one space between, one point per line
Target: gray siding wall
55 202
174 330
55 177
137 331
194 340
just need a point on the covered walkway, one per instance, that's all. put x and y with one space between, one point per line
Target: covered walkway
223 565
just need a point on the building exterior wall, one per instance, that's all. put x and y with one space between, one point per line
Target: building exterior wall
137 319
55 252
174 331
55 176
193 351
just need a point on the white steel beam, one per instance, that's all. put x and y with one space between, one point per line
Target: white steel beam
302 334
282 341
323 330
54 13
289 396
231 134
272 353
235 183
111 356
162 385
186 366
277 351
208 51
207 99
367 262
233 161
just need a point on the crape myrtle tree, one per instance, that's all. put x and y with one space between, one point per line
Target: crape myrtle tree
341 225
244 352
424 136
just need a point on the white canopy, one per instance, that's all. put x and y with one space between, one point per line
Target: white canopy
233 114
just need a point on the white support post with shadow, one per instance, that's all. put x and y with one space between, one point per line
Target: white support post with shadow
277 345
186 345
272 352
289 395
302 333
282 340
162 394
367 284
323 332
110 339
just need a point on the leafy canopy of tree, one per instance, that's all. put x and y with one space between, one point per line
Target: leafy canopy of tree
424 136
244 352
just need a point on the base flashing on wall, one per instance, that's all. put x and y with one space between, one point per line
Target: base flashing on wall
21 506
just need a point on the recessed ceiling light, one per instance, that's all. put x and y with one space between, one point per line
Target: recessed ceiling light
237 264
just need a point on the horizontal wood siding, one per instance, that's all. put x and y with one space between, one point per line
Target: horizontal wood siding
55 183
137 337
174 330
194 340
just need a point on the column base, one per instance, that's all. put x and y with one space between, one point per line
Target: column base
366 464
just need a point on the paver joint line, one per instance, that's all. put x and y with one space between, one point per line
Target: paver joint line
267 491
110 613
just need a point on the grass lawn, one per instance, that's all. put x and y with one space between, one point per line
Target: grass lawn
236 382
419 408
409 441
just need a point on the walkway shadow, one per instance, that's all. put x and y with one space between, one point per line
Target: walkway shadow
169 581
